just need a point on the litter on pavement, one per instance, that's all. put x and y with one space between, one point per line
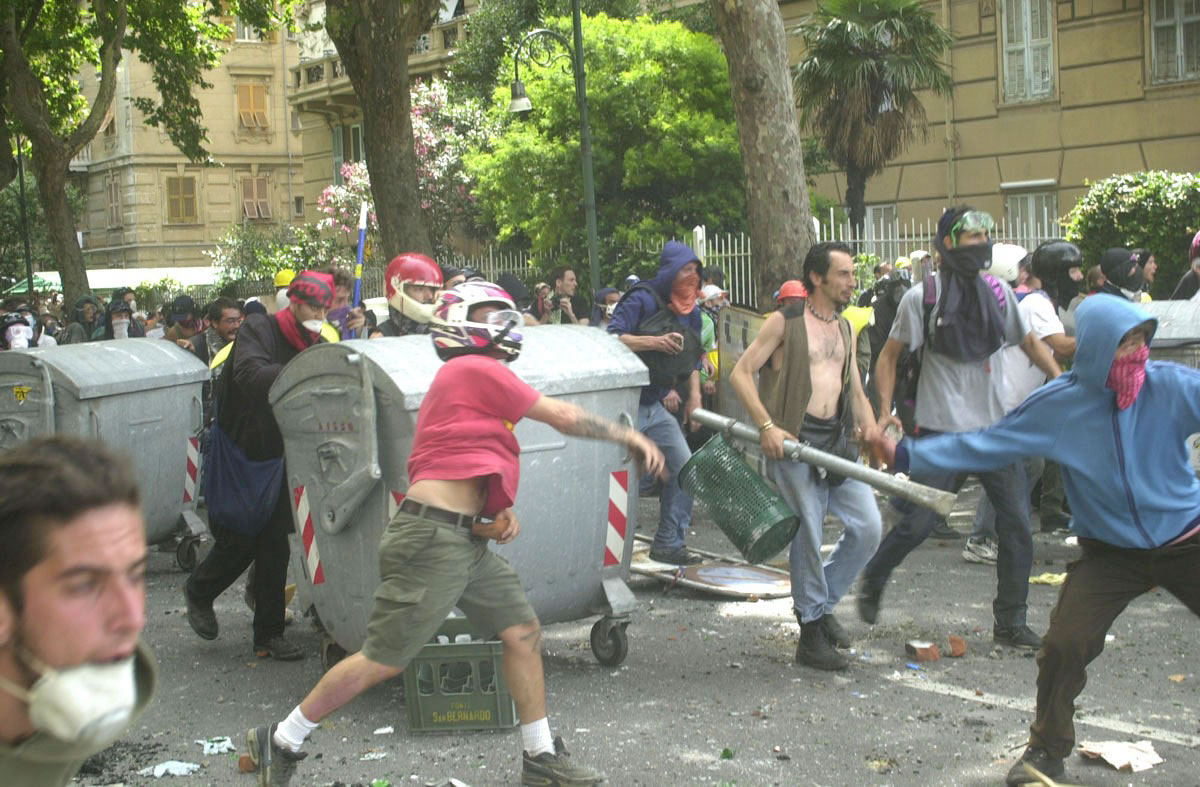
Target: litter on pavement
1122 755
219 745
170 768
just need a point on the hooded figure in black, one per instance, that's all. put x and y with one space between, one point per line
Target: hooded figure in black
1123 275
1052 264
84 320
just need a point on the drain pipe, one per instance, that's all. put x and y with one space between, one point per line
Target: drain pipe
949 124
286 121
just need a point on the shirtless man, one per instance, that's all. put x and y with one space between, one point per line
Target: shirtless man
433 557
808 387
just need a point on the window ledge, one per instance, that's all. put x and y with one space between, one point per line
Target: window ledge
1182 86
1040 102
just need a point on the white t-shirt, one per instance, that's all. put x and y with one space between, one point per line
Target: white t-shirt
1019 376
954 396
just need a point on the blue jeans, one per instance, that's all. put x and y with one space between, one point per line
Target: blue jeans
1009 494
985 512
674 505
817 587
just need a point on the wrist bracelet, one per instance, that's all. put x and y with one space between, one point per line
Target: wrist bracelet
768 425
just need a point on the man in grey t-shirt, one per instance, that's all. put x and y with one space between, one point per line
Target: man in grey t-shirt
972 318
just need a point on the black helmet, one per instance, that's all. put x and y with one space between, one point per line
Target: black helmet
1052 263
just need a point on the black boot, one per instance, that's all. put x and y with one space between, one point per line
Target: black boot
815 650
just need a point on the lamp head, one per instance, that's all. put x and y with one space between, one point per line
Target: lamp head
520 103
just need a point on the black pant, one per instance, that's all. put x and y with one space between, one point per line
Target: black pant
1098 588
232 552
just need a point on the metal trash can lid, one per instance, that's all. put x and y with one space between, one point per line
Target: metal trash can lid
555 359
118 366
1178 322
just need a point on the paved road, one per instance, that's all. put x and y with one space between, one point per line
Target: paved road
706 677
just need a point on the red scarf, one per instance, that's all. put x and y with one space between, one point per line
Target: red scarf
296 334
1127 375
684 291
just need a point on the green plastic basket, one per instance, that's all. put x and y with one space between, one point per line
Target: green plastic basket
458 686
751 514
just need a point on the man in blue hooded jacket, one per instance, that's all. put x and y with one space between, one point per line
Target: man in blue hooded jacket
660 321
1135 501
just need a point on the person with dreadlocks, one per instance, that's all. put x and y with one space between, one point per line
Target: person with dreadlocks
959 325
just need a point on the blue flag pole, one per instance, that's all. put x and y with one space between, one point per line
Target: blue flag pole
362 243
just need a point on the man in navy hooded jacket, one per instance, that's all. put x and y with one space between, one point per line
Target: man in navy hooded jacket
1135 500
673 290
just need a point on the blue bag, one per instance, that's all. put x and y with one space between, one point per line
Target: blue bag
241 493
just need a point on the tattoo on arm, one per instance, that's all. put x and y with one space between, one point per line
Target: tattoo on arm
594 427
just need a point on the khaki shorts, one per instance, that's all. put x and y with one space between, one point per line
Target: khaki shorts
426 570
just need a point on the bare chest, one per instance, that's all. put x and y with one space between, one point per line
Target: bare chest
825 347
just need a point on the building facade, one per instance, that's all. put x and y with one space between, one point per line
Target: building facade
148 206
1049 95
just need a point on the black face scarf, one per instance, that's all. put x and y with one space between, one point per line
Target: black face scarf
969 324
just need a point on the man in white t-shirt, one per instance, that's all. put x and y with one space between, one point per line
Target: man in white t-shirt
1055 269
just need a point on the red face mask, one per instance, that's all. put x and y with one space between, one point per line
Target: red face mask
1127 375
684 292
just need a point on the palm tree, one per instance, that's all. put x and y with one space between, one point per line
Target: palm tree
857 85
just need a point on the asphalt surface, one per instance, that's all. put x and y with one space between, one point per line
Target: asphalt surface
709 693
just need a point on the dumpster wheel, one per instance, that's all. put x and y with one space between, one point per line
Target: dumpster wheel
187 554
610 643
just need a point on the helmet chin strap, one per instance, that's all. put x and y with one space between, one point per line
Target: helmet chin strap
504 332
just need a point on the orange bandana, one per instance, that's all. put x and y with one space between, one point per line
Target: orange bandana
684 292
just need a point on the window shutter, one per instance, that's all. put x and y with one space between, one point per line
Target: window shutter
1014 49
338 157
1041 49
263 198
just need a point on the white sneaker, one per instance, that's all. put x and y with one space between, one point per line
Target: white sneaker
981 551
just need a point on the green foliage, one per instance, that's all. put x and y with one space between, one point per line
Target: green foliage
665 145
151 295
1155 210
12 244
857 86
247 254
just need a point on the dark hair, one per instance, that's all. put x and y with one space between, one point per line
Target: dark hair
948 219
218 306
45 484
715 275
818 258
558 274
12 304
1142 256
1095 277
341 277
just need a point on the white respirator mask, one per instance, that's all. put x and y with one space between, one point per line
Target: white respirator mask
313 326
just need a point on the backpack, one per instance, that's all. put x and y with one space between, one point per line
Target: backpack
908 366
666 370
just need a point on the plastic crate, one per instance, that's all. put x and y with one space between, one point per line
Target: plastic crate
455 686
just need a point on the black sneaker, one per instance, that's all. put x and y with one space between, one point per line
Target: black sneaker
554 769
1016 637
201 616
944 532
869 601
1039 759
834 632
276 765
679 557
279 648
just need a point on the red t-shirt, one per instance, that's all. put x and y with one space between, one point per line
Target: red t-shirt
465 427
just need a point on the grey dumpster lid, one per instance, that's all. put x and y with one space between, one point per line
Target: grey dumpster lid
119 366
555 359
1178 322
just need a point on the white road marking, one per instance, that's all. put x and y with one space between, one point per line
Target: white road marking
1027 705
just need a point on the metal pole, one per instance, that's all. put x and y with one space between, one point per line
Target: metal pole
25 224
585 149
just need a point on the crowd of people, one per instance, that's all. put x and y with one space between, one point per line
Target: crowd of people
952 372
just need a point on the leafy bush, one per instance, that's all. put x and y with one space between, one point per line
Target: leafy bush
1153 210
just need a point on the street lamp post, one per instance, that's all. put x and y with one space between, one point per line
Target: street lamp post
25 224
521 103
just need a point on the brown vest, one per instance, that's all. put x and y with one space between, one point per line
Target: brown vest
785 392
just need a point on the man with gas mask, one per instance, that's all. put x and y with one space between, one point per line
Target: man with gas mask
74 674
958 328
245 431
412 282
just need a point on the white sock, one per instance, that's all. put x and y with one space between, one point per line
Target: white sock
535 737
293 731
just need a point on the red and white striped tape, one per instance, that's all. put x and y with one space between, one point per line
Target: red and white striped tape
308 536
193 469
618 499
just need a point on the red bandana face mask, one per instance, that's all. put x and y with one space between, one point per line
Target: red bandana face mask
1127 375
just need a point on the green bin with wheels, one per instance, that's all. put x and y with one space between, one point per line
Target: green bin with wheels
751 514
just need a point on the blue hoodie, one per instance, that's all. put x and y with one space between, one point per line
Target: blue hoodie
637 305
1126 472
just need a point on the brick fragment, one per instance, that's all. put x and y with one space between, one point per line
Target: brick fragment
958 646
922 651
246 765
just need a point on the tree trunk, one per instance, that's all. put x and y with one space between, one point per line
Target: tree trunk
50 164
373 39
760 81
856 188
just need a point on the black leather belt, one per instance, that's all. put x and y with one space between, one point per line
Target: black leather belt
439 515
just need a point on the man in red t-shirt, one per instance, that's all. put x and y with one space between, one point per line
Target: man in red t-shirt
433 557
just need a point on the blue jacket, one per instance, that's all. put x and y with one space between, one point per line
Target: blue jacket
1126 472
638 305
